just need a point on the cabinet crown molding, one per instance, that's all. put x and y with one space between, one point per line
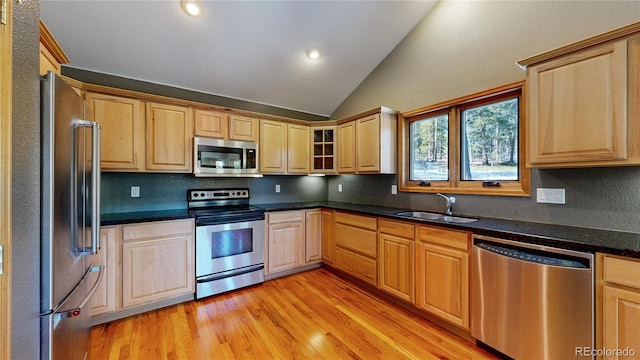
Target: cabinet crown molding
51 44
580 45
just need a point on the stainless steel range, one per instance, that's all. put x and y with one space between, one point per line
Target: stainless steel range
229 240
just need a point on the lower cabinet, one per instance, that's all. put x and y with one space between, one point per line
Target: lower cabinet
618 305
328 237
293 240
396 259
157 261
442 273
285 240
105 298
356 247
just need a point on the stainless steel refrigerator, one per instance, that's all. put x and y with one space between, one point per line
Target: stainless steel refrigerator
70 225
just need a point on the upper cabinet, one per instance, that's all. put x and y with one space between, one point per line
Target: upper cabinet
323 149
222 125
584 102
51 55
284 148
367 143
169 137
122 131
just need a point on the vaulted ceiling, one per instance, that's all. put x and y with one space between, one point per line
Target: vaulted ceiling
248 50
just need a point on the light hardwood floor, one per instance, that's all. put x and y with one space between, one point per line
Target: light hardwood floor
311 315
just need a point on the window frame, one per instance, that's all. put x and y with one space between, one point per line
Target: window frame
454 108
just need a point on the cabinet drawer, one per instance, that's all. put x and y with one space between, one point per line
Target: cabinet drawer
621 271
364 222
449 238
401 229
359 240
285 216
357 265
157 229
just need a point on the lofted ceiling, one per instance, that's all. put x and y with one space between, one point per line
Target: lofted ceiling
248 50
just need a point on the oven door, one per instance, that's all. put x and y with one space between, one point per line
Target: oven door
229 246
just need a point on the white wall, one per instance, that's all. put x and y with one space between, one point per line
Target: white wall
462 47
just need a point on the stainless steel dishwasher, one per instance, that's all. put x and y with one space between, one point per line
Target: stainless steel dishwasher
530 301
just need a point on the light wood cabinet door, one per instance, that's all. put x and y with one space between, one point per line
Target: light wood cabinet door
122 131
105 299
313 237
212 124
285 247
368 144
442 283
328 242
243 128
297 149
169 132
272 147
578 107
157 261
323 149
347 147
396 266
396 249
621 316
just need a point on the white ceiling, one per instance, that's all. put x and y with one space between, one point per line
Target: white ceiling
249 50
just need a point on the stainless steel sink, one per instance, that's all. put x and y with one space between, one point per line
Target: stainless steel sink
435 216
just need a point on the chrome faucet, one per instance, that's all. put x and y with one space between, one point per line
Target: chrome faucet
450 201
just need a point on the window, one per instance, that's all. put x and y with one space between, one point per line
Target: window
468 145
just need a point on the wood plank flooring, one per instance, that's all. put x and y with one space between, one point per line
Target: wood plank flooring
311 315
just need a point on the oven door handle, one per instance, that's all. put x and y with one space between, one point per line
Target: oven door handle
230 273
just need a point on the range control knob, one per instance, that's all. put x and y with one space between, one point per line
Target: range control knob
202 194
244 193
195 194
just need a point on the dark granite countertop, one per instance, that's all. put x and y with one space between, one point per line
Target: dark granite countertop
567 237
143 216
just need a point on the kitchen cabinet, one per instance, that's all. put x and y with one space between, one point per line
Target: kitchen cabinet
51 54
122 131
618 304
313 235
396 270
283 148
243 128
347 148
583 102
297 149
356 247
442 273
211 123
105 299
222 125
169 133
285 240
157 261
328 240
367 143
323 150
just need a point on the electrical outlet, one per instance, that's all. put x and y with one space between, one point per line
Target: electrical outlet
135 191
277 188
394 189
339 187
550 196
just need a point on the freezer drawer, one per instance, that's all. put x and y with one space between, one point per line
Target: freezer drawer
531 302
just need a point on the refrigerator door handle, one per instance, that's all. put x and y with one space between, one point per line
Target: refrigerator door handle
63 314
95 184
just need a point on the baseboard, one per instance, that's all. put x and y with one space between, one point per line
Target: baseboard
103 318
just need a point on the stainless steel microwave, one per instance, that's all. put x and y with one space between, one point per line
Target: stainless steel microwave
217 157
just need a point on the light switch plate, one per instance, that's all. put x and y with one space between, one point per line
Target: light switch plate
277 188
550 196
135 191
394 189
339 187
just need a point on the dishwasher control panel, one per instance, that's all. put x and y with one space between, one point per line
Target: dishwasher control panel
533 256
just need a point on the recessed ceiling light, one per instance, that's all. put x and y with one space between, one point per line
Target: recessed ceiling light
191 7
313 53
